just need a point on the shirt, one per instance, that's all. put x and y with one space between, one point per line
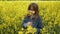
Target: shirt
35 23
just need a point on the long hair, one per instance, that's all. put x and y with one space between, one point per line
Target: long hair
34 8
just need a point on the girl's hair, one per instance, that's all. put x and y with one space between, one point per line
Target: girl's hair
34 8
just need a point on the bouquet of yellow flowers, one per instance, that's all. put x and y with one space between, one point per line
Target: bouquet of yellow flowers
30 29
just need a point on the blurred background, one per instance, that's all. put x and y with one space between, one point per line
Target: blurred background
12 14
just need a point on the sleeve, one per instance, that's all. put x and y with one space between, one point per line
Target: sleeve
24 25
39 25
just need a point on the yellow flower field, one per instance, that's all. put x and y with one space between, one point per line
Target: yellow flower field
12 14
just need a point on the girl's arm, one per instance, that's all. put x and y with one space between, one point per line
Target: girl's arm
24 23
39 25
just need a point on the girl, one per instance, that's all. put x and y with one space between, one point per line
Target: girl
33 18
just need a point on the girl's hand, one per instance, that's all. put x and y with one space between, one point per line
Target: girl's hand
29 23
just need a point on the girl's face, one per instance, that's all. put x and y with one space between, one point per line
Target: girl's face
32 11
